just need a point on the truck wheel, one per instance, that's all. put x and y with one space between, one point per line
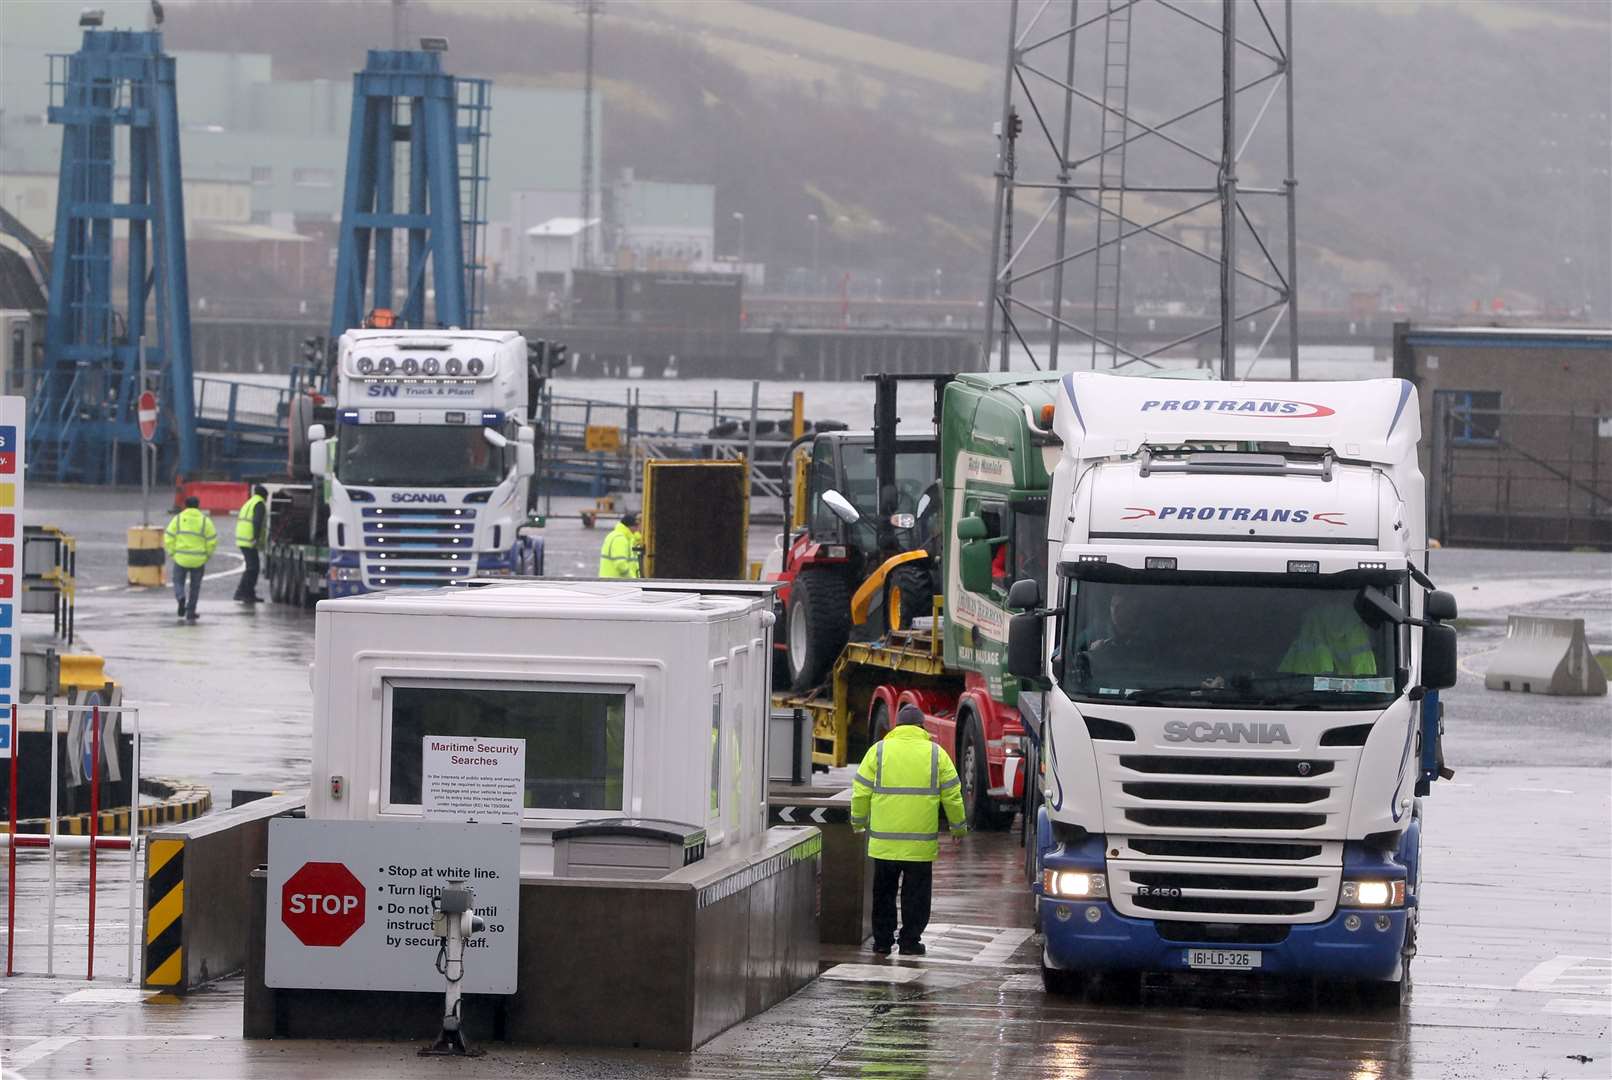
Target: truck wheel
909 594
1060 982
878 721
819 626
299 582
276 576
979 810
780 648
1393 995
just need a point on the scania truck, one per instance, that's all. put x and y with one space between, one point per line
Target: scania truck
1239 653
421 470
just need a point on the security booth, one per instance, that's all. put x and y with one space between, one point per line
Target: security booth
638 715
634 703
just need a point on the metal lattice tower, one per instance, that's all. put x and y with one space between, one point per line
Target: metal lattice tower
419 135
82 424
590 11
1158 180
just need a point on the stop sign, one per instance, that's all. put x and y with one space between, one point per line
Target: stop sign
322 903
146 408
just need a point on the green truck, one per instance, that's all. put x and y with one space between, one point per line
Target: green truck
996 450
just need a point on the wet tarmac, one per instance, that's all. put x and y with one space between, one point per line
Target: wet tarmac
1513 979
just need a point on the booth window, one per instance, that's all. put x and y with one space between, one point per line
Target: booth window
575 738
716 755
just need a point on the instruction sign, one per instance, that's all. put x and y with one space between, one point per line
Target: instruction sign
464 778
350 903
601 438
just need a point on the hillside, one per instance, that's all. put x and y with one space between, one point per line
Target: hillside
1453 151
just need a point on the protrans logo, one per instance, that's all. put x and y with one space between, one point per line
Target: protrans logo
1234 513
1277 407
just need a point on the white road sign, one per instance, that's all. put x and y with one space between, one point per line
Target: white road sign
464 778
349 903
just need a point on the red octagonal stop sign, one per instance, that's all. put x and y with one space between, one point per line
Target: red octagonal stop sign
322 903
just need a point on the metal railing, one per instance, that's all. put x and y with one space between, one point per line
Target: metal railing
92 722
49 577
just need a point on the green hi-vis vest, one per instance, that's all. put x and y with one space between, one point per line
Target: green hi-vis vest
190 538
898 794
1331 641
245 535
617 558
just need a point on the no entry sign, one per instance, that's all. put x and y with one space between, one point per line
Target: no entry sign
349 903
146 409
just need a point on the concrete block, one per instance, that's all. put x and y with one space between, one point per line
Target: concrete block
1545 656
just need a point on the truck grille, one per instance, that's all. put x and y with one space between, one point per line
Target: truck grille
1224 893
1226 819
1223 766
418 547
1260 851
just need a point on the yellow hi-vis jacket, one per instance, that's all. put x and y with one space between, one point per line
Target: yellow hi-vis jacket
190 538
898 793
245 526
1332 641
617 559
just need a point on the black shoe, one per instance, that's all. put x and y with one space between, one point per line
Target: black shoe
254 599
192 617
881 950
915 949
181 612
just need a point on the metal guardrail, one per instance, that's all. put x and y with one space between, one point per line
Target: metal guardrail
49 581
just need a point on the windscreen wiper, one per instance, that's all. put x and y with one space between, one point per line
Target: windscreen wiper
1174 695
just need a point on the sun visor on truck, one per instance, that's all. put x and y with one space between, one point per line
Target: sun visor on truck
1282 509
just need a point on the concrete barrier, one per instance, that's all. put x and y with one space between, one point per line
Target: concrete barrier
663 964
847 917
1545 656
198 894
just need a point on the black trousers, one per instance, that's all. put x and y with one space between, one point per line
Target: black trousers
915 882
248 583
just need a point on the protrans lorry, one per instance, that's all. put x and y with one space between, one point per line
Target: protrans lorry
985 511
1241 653
423 473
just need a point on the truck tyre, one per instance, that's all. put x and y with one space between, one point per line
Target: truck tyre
979 810
909 594
276 575
878 721
780 648
299 581
819 626
1060 982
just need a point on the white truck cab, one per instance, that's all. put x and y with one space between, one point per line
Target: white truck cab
428 471
1241 660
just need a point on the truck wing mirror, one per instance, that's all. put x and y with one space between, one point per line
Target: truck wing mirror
1440 605
318 451
1375 606
1024 646
841 506
525 459
974 565
972 528
1024 594
496 438
1438 656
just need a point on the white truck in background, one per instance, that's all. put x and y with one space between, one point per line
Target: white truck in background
1240 653
423 474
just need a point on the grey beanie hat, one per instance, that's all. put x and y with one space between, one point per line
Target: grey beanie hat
909 714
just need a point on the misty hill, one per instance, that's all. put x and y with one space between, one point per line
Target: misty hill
1445 152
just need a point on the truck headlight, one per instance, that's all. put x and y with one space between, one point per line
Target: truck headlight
903 521
346 573
1370 893
1075 884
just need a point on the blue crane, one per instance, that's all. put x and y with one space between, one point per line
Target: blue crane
99 353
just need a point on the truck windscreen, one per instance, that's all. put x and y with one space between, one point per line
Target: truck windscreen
417 455
1228 646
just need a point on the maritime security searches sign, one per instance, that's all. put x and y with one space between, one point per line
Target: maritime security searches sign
349 903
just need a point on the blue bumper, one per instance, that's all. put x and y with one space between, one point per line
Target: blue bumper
1116 942
1090 935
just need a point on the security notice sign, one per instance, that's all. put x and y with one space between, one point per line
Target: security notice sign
350 903
469 779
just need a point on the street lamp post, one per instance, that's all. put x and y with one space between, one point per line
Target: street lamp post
739 217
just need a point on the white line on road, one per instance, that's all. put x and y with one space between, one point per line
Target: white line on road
1548 977
1579 1007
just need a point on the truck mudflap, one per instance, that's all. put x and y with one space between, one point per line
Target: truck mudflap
1089 935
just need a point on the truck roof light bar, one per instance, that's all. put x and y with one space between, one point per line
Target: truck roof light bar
1094 558
1242 464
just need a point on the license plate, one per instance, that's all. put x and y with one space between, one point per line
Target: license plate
1223 959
